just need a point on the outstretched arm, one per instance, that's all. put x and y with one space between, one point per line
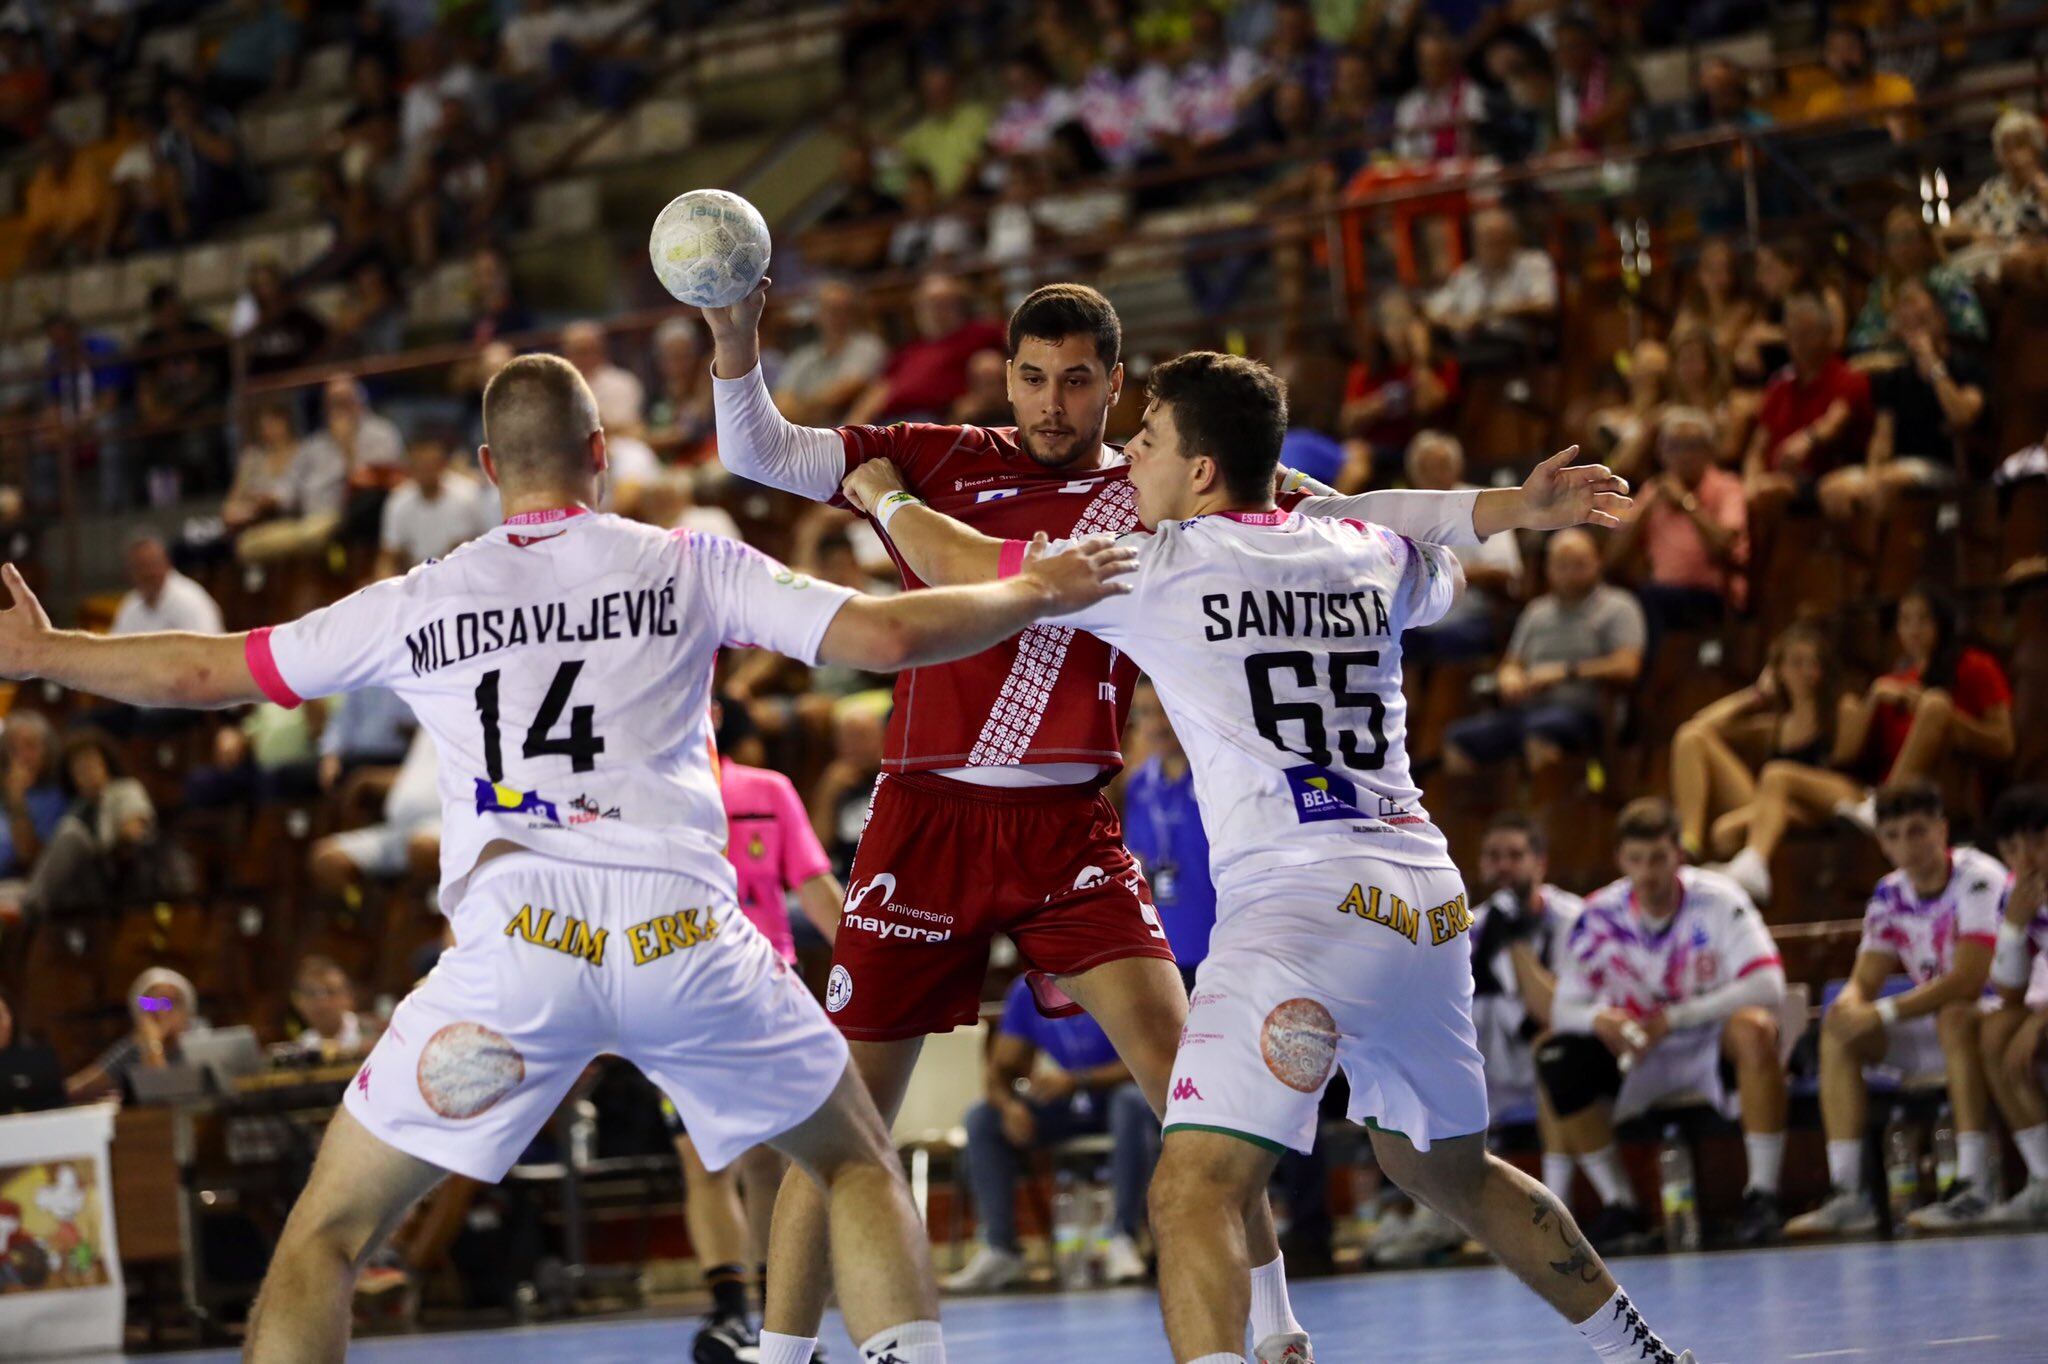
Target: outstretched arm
937 548
754 439
164 668
1555 495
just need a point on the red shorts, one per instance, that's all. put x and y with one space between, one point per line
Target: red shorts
943 866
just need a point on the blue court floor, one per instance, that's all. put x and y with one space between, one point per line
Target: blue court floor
1981 1300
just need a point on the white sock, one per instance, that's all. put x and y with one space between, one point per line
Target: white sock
1845 1166
1617 1331
914 1342
1218 1359
1610 1180
777 1348
1973 1159
1558 1169
1272 1315
2033 1144
1766 1158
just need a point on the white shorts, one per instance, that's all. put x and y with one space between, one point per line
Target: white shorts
1685 1062
557 963
380 849
1912 1050
1296 983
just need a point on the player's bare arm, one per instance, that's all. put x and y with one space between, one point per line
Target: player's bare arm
945 623
937 548
164 668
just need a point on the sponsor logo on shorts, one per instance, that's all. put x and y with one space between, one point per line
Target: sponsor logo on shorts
838 989
496 798
1299 1043
466 1068
571 937
1383 907
863 898
1184 1091
666 933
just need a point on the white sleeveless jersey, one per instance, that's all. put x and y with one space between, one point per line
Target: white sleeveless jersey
1274 641
562 663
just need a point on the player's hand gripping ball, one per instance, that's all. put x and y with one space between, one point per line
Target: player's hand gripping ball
709 248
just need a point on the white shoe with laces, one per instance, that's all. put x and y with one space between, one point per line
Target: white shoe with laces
1290 1348
990 1271
2027 1208
1121 1262
1748 870
1846 1213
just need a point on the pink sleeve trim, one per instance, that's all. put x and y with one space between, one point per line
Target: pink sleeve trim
1760 964
263 667
1011 561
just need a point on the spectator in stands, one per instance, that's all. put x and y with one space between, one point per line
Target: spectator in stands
1935 918
1210 90
69 212
1570 648
1690 528
203 150
1925 406
1355 113
164 1007
31 798
24 87
433 511
2009 212
1849 84
1785 271
1625 430
950 133
1124 102
495 310
1034 107
149 210
459 185
106 852
1396 386
1789 715
1911 41
822 377
372 318
925 376
1943 700
366 728
1716 299
1048 1080
267 756
1815 415
161 598
680 427
839 799
368 447
330 1029
1701 378
1910 255
1667 972
1724 102
928 233
408 840
263 486
621 397
1493 568
1523 106
435 74
858 227
986 400
1440 118
1500 307
285 506
2011 1038
1163 828
181 389
1598 96
28 1069
277 331
259 53
85 388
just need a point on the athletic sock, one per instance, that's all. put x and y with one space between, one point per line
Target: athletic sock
914 1342
1558 1169
1617 1331
2033 1144
1973 1160
1845 1166
1610 1180
1272 1314
1218 1359
780 1349
1766 1159
728 1290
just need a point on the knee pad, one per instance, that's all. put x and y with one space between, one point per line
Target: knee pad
1577 1072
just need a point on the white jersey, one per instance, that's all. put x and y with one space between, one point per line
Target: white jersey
1497 994
1922 934
1274 641
562 663
1616 959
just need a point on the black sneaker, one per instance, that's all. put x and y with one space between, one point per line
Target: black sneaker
1618 1229
1759 1222
726 1340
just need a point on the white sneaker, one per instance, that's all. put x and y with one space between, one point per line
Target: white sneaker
1291 1348
1861 813
2027 1208
1846 1213
1963 1208
1426 1234
1391 1228
1121 1262
990 1271
1748 870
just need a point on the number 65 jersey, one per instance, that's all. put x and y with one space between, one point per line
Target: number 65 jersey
1274 641
562 664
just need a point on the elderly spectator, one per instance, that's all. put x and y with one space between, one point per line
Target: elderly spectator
201 147
2010 210
1849 84
324 999
1598 97
1396 386
1500 307
1690 528
949 135
621 397
161 598
1441 117
164 1007
1785 271
105 852
822 377
68 210
1493 568
1125 101
278 331
1789 715
181 387
1815 415
1909 254
924 377
1569 648
680 426
371 727
1034 107
32 797
1924 406
495 310
433 511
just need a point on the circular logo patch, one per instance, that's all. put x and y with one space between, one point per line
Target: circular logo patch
465 1069
838 989
1299 1042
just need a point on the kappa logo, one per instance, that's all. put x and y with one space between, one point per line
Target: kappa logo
363 1082
838 989
1184 1091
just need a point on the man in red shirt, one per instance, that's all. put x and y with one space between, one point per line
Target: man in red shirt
989 815
1816 414
923 378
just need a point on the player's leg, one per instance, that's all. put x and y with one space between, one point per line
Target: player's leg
1581 1080
2011 1041
1787 794
359 1189
1959 1030
1844 1104
718 1229
761 1171
1706 776
1749 1039
1203 1193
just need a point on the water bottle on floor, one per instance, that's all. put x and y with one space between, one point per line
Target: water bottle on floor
1901 1168
1069 1234
1681 1192
1945 1162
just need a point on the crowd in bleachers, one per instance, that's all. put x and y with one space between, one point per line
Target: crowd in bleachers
1811 433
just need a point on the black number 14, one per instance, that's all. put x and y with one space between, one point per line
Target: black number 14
581 746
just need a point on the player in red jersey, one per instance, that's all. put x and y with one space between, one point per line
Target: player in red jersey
989 815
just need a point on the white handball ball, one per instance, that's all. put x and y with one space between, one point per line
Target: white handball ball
709 248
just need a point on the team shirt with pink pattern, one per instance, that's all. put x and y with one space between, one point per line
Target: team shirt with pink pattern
1616 959
1923 933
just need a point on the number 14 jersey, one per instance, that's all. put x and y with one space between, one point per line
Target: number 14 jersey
562 664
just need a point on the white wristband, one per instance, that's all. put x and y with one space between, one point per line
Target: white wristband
1888 1010
892 503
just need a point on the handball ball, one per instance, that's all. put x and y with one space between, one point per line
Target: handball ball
709 247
